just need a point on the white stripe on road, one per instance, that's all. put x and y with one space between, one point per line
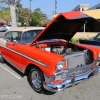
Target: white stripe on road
10 72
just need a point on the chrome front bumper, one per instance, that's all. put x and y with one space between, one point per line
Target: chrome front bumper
71 80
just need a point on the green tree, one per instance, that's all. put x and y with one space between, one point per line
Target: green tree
24 16
36 17
19 7
5 14
47 21
12 4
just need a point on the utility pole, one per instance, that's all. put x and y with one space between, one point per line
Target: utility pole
30 10
55 4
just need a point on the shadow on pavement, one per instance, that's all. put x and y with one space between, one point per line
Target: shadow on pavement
15 69
45 92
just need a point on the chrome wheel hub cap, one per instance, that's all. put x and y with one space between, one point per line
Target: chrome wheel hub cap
36 80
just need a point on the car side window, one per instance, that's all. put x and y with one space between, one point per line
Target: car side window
16 36
30 35
98 38
8 36
11 36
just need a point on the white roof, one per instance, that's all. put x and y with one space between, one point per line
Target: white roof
25 28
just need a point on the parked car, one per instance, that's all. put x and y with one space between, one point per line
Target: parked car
8 27
4 28
47 57
93 41
44 25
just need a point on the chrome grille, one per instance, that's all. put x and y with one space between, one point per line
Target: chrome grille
75 60
80 70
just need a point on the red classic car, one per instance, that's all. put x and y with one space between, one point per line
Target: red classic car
46 54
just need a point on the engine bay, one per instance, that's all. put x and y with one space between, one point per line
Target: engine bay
64 48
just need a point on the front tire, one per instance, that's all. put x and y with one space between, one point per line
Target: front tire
36 80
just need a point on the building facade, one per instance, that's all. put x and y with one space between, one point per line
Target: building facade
93 25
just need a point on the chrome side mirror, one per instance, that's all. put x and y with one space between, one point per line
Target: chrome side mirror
15 41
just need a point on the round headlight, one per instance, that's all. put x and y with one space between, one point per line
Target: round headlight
60 65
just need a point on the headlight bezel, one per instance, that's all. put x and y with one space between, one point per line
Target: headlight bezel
60 65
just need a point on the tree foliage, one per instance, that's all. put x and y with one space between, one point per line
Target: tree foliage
12 4
24 15
36 17
5 13
47 21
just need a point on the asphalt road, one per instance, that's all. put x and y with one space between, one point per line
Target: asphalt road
2 33
14 86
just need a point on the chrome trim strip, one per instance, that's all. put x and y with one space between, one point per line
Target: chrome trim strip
34 60
47 78
59 87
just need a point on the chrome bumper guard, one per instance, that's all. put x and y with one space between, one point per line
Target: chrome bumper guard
70 81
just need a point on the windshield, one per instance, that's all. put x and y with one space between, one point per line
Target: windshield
97 37
28 36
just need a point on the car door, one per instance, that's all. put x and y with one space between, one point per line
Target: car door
13 48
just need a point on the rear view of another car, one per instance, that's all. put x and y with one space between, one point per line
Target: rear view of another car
3 28
8 27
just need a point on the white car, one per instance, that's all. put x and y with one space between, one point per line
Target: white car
4 28
8 27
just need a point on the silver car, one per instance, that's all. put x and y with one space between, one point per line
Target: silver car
4 28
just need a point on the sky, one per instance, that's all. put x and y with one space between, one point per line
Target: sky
47 6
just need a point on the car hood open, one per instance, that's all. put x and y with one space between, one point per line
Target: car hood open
64 26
